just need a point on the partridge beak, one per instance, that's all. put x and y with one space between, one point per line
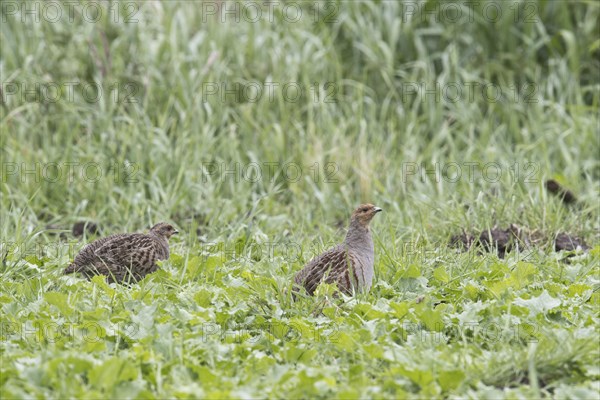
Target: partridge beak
377 209
175 232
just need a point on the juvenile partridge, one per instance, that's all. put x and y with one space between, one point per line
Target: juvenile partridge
124 257
350 264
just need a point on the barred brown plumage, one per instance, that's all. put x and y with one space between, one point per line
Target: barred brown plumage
350 264
124 257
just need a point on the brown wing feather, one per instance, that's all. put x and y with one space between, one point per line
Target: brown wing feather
119 256
133 251
333 266
87 256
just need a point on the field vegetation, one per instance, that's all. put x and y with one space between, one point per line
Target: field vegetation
256 129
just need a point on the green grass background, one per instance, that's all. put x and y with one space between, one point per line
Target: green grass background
216 322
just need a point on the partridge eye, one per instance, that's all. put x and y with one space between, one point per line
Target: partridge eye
365 209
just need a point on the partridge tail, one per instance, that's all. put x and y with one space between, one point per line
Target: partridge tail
70 269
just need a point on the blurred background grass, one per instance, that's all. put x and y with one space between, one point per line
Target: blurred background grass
155 129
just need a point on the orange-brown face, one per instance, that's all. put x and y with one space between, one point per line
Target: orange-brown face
164 229
364 213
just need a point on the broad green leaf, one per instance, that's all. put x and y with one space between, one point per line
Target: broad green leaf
578 289
401 310
538 305
432 318
441 275
412 271
450 380
60 301
110 372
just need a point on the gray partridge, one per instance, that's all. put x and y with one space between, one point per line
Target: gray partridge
124 257
350 264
